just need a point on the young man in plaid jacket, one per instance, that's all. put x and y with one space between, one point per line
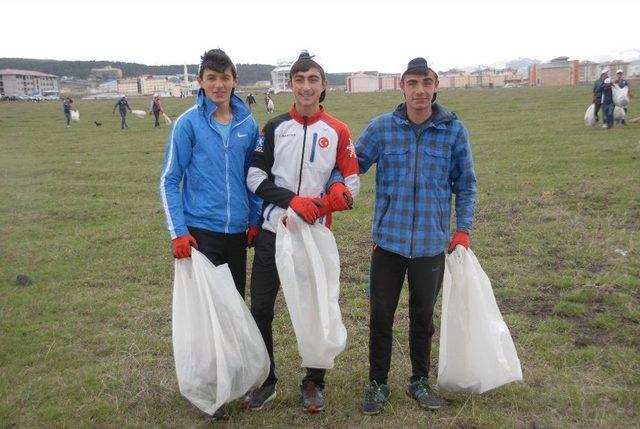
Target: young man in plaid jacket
423 156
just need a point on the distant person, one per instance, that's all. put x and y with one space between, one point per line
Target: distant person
622 83
123 105
67 106
607 102
423 158
203 184
156 108
597 95
251 101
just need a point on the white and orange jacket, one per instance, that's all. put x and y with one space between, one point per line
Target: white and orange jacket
295 156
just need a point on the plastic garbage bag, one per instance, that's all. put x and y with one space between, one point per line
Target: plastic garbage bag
218 349
75 116
139 113
620 96
309 269
590 117
167 119
619 114
477 353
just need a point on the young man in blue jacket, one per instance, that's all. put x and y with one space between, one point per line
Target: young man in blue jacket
209 152
122 104
423 157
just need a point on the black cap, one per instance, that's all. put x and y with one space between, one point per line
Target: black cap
420 66
308 58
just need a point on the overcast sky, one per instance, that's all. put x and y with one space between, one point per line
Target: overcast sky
345 35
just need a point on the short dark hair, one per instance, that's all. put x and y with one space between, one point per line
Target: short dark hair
216 60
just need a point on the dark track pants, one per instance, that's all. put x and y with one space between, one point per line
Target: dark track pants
264 289
221 248
387 276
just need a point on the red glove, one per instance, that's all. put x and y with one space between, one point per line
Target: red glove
251 235
307 208
461 238
340 197
326 207
182 246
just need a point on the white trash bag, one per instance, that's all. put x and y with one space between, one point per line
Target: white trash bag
620 96
218 349
619 114
309 270
75 116
167 119
139 113
590 116
477 353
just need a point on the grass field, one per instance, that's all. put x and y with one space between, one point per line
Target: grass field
557 231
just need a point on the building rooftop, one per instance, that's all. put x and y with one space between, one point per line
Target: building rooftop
25 73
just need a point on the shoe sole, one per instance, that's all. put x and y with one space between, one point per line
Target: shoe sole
266 401
312 409
426 407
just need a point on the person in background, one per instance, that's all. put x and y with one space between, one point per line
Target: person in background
621 82
156 108
251 101
597 95
607 103
67 106
122 105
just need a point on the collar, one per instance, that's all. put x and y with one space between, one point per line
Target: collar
208 107
438 119
310 119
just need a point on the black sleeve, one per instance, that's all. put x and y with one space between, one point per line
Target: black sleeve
263 160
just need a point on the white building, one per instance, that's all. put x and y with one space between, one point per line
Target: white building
15 83
372 82
280 76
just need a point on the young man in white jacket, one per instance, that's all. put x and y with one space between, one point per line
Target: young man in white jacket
292 163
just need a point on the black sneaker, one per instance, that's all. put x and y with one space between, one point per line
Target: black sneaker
256 398
312 398
220 414
374 398
421 391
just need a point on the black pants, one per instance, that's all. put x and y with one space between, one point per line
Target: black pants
156 114
598 104
222 248
388 271
264 289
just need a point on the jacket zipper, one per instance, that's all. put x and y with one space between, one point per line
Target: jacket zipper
304 141
415 180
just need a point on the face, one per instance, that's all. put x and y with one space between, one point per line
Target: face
619 75
218 86
307 87
418 90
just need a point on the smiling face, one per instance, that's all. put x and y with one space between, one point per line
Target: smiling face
418 90
218 85
307 86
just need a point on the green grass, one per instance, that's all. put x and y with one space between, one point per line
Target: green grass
89 344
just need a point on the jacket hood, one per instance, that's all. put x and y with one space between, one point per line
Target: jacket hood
208 107
439 114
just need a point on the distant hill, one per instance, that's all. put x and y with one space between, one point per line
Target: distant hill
248 73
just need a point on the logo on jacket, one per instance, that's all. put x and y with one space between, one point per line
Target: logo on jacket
260 144
323 142
351 149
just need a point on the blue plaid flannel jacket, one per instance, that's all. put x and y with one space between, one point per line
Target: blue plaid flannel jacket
416 176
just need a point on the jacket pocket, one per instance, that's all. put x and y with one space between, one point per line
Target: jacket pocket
435 164
395 162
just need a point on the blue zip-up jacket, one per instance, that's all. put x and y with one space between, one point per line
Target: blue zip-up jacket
213 173
416 176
